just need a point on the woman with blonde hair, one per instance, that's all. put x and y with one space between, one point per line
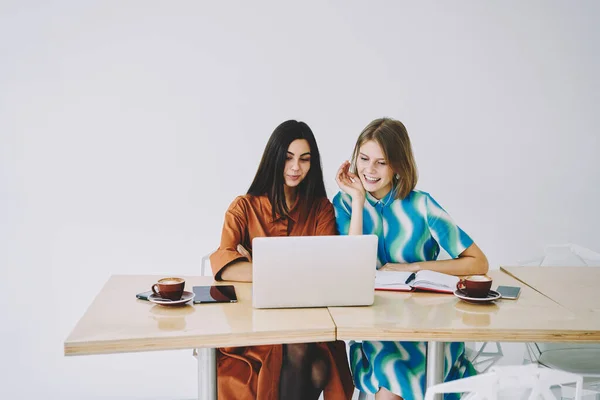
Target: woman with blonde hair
378 197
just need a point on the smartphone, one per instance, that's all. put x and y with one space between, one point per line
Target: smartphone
144 295
214 294
509 292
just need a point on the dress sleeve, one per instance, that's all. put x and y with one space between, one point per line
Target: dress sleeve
444 230
235 228
326 220
343 212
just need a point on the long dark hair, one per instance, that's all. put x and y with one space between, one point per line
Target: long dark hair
269 176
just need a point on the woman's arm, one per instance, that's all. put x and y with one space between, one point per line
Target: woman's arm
472 261
351 184
356 219
238 271
228 262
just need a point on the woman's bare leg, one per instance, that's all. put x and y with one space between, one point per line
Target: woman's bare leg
385 394
295 372
319 376
304 372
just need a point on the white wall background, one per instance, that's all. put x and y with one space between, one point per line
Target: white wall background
126 129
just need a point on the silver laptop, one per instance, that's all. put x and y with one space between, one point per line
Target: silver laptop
313 271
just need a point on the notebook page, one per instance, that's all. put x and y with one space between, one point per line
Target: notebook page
392 280
435 280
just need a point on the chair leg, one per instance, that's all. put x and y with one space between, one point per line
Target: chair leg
484 360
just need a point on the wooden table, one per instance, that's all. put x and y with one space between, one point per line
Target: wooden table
117 322
575 288
420 316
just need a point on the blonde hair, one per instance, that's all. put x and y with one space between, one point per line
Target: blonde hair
393 138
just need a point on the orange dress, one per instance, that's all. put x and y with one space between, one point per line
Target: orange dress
247 373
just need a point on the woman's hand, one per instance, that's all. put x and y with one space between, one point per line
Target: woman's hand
414 267
242 250
349 182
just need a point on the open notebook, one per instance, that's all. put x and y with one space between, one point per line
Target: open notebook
422 280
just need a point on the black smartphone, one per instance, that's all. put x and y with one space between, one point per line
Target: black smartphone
214 294
144 295
509 292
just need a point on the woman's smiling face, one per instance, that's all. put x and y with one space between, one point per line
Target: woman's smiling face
373 169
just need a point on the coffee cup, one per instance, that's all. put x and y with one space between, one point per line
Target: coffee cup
475 285
169 288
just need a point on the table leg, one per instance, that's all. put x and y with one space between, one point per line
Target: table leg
207 374
435 365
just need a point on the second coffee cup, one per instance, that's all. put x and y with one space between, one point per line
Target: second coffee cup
475 286
169 288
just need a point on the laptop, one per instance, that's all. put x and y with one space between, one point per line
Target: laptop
313 271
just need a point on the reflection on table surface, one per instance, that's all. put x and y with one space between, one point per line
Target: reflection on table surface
117 322
426 316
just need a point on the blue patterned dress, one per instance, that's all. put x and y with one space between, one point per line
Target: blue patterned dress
409 230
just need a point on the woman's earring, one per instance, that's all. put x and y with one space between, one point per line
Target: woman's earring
397 176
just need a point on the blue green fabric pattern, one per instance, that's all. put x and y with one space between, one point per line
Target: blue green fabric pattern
400 367
409 230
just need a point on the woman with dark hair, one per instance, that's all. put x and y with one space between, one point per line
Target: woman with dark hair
286 198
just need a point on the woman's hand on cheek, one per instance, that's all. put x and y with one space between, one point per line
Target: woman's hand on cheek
349 182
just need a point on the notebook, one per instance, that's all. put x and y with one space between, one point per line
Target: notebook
423 280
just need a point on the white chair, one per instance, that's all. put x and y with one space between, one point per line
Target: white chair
205 269
511 382
481 359
582 359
